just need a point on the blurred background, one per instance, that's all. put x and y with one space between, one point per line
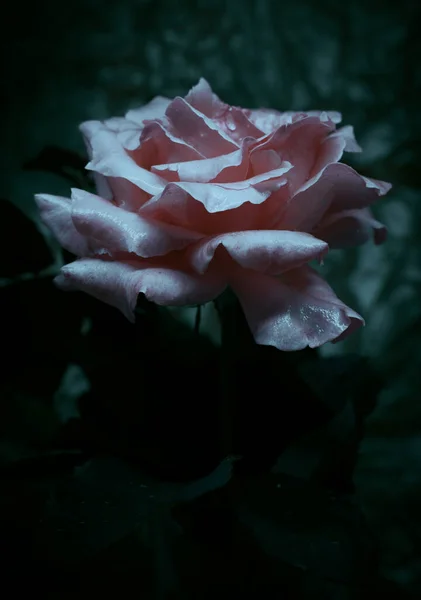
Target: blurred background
89 59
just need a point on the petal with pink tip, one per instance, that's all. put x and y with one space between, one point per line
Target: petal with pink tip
56 213
352 190
337 187
159 144
269 120
326 115
118 230
347 134
202 98
236 124
216 197
266 120
298 144
348 228
329 152
265 160
119 284
270 252
155 109
102 184
127 132
198 130
225 168
110 159
296 310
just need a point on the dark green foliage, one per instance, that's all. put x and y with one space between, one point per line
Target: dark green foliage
123 482
90 403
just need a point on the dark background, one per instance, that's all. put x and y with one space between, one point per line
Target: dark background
69 62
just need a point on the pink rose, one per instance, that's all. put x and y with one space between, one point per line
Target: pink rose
195 195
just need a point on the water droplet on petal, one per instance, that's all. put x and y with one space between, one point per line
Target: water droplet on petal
230 122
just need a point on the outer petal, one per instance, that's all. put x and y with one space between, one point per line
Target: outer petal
155 109
102 185
347 134
298 309
110 159
271 252
381 187
117 230
56 212
348 228
127 132
337 187
352 190
328 153
119 284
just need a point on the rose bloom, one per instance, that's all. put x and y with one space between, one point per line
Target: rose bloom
194 195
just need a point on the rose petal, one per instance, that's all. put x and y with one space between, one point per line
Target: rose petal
119 284
198 130
127 132
237 126
158 145
102 184
301 144
155 109
304 209
347 134
265 160
202 98
264 181
55 212
274 119
110 159
352 190
381 187
117 230
297 310
326 115
298 144
336 187
216 197
182 210
329 152
225 168
270 252
268 120
348 228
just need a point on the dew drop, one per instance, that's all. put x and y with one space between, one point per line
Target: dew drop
230 122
